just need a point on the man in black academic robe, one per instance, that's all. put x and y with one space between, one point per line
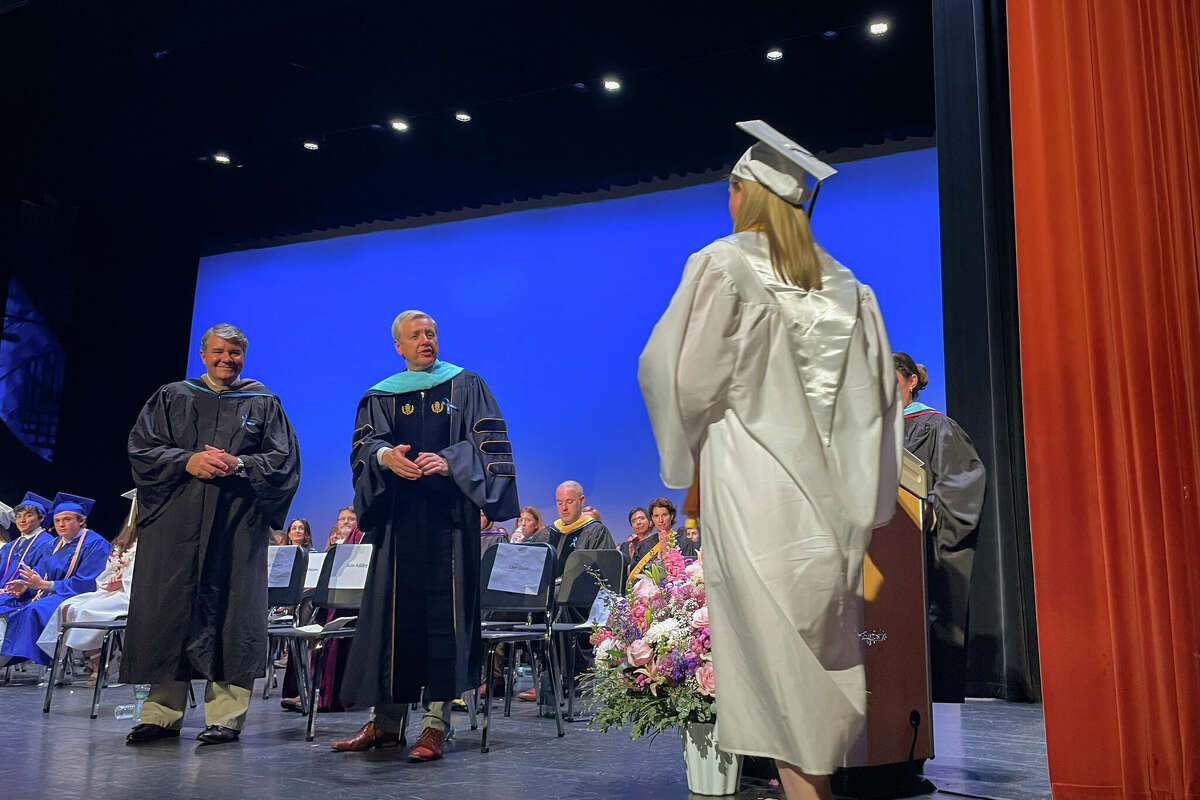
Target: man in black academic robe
430 451
216 464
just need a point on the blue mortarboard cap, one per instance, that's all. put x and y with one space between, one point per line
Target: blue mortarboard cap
31 499
72 502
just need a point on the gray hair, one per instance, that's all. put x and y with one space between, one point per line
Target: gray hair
572 485
223 330
407 315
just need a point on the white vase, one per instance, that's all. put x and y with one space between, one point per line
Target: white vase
710 771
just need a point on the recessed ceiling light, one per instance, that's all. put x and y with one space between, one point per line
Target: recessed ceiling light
878 28
612 85
311 145
399 125
462 116
774 54
830 35
221 158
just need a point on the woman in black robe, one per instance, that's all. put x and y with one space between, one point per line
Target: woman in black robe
956 480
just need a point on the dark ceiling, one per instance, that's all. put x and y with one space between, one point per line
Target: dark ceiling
112 99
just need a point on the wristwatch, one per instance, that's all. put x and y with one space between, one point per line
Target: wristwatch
240 470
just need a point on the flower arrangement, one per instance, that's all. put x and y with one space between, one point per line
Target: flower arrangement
653 657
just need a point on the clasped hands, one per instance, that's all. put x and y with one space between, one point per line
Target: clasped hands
211 462
28 580
396 459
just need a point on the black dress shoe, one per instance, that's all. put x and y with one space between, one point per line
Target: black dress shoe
146 732
218 734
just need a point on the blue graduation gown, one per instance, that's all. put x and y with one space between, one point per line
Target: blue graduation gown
25 624
12 554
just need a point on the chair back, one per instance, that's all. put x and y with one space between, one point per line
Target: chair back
343 576
578 588
499 590
286 566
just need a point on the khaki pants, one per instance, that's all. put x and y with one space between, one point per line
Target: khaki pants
390 717
224 704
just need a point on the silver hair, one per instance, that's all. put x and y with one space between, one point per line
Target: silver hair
223 330
407 315
572 485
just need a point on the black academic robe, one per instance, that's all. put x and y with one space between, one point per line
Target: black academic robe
198 604
592 535
687 547
419 621
956 478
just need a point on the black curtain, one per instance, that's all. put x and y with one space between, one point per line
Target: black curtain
979 308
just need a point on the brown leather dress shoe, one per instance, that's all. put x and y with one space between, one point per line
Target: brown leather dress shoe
429 746
529 695
369 737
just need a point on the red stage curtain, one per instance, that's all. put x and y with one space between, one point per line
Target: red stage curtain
1106 160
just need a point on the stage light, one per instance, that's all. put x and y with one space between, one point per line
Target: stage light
399 125
311 145
612 85
462 116
878 28
221 158
830 35
774 54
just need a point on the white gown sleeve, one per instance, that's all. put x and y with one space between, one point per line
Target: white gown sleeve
127 575
892 434
685 369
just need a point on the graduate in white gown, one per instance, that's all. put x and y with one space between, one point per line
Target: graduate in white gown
110 601
771 366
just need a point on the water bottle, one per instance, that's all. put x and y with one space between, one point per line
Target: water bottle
133 710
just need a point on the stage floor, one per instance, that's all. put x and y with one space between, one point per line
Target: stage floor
985 749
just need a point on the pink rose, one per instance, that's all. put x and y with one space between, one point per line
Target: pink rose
646 591
700 617
695 571
704 676
640 653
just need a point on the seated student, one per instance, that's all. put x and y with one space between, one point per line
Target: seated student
691 529
30 545
110 601
71 567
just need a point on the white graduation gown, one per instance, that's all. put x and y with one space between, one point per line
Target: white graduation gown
97 606
789 398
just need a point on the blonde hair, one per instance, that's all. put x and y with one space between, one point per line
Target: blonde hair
789 238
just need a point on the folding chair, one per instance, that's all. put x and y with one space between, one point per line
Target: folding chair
114 632
284 590
574 598
538 600
340 585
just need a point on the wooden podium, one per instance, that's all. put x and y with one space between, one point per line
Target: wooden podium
895 635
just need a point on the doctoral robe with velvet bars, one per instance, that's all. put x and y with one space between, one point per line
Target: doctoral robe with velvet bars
198 602
789 400
419 621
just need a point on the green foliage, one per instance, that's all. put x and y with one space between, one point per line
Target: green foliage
616 702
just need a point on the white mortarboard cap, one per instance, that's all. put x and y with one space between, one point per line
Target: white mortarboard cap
131 495
780 165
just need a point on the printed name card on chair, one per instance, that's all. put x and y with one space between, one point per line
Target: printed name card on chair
280 561
350 565
315 562
517 569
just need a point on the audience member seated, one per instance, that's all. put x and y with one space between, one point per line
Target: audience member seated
31 544
489 534
337 651
662 514
278 538
345 529
691 529
110 601
528 523
70 567
299 533
640 524
590 511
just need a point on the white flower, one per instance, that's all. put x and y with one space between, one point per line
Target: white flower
663 629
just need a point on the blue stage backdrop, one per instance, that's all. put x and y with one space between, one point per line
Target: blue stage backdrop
552 307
